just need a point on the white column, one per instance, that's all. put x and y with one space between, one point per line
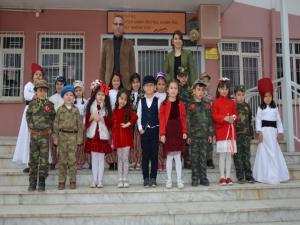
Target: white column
287 95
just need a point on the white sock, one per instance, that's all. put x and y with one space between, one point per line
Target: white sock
101 167
169 166
228 164
178 166
222 164
95 166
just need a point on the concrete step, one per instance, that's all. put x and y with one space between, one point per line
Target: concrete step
18 195
191 213
12 177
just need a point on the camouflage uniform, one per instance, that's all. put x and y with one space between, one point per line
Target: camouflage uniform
200 128
244 132
40 116
68 134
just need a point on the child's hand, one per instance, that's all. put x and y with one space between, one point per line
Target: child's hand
260 137
125 125
184 136
163 139
142 131
188 141
100 118
280 136
209 139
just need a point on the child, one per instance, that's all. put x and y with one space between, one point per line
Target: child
244 133
123 119
185 95
205 77
67 135
173 132
224 115
97 123
161 94
201 132
40 116
136 95
21 153
80 103
148 124
269 166
115 85
58 101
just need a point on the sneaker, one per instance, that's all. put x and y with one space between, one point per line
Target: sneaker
241 180
138 166
195 183
120 184
229 181
99 185
93 185
180 184
169 184
250 180
204 182
153 182
126 184
146 183
222 181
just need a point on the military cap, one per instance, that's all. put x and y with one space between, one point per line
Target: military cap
40 84
239 88
199 82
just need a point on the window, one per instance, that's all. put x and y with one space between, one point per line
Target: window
241 62
62 54
11 65
150 52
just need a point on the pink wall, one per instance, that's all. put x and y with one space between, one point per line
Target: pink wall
93 23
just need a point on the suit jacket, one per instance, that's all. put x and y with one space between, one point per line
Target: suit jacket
127 61
186 61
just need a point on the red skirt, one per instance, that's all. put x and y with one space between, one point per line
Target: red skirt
122 137
95 144
174 140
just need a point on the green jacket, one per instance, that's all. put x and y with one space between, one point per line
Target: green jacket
40 114
186 61
200 124
185 95
244 123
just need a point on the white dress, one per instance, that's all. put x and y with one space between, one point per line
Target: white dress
161 96
269 166
113 97
21 154
81 104
57 100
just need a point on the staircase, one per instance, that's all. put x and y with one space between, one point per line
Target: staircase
247 204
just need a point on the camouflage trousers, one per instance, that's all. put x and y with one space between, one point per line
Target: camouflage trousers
242 157
198 157
67 147
209 155
38 158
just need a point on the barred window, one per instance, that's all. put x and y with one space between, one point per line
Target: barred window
241 62
62 54
11 65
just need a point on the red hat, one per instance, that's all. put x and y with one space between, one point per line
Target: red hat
35 67
265 85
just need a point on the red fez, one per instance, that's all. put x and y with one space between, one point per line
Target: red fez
35 67
265 85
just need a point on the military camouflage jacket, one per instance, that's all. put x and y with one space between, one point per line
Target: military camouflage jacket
67 121
185 95
244 123
199 119
40 114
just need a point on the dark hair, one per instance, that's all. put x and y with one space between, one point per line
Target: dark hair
168 85
179 33
127 107
199 85
135 76
222 84
112 77
106 102
161 78
263 105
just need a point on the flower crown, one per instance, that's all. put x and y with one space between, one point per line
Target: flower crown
160 74
103 87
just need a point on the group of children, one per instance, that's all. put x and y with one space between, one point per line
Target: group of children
149 127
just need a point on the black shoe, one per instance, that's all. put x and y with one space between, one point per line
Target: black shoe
52 166
210 164
111 166
90 166
241 180
146 183
195 183
204 182
26 170
115 166
153 182
32 188
42 184
250 180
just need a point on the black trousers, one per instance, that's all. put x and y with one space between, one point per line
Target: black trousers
149 142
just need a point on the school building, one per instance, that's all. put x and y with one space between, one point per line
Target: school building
238 39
